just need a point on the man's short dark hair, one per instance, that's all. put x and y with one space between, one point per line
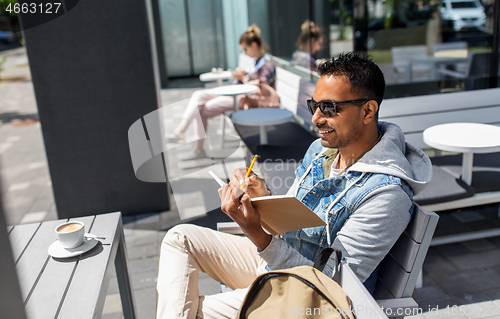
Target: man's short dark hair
366 78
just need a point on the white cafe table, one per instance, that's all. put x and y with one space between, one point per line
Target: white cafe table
72 287
466 138
235 90
216 76
262 117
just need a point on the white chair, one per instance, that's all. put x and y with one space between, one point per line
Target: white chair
475 75
401 57
247 64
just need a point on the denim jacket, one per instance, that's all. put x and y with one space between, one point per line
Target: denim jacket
320 193
366 208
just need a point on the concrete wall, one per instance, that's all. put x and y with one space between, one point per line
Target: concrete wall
94 75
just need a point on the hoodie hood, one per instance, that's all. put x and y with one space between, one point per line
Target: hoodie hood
393 156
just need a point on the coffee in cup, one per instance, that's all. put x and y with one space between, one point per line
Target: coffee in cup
66 228
70 234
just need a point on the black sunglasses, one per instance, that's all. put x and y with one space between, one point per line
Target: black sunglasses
329 108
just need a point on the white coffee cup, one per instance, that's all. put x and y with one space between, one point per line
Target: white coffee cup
70 234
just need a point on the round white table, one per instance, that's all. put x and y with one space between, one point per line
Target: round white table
262 117
234 90
215 76
466 138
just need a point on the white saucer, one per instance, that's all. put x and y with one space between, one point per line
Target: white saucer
58 251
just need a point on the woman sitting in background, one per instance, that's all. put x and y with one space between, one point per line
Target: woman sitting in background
308 43
209 105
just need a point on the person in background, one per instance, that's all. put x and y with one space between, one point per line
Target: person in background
309 42
209 105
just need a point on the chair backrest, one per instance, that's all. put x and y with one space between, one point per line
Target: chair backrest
450 49
401 55
294 91
478 76
287 87
401 267
480 64
295 69
279 62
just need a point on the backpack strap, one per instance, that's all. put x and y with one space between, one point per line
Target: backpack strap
322 259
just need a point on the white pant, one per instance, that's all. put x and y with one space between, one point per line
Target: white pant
187 249
207 106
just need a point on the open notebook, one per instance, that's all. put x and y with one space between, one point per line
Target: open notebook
281 214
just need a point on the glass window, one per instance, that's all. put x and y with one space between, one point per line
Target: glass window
463 4
430 46
422 46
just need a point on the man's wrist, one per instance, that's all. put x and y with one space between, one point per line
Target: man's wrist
260 238
265 241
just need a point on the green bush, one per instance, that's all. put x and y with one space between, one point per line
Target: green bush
5 4
2 62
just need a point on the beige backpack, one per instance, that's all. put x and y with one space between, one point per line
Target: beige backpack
299 292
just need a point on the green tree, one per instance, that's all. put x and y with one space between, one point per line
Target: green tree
2 61
344 18
5 3
12 16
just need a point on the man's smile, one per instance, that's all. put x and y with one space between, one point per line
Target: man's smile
325 130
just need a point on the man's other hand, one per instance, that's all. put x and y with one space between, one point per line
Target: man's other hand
254 186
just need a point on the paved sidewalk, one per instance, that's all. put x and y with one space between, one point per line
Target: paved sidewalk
464 275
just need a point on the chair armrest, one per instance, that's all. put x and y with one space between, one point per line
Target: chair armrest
451 73
363 303
397 306
230 228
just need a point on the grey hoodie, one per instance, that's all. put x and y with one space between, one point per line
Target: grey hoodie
372 229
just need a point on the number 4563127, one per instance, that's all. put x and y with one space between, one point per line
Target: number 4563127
33 7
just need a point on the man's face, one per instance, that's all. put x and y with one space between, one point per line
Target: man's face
344 128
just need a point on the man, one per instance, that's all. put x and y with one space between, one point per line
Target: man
359 177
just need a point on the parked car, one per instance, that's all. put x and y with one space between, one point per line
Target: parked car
7 36
464 14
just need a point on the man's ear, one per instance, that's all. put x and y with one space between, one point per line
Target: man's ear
371 108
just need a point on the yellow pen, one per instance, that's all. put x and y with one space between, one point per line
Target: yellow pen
249 170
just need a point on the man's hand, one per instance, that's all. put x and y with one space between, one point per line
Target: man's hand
244 214
254 186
